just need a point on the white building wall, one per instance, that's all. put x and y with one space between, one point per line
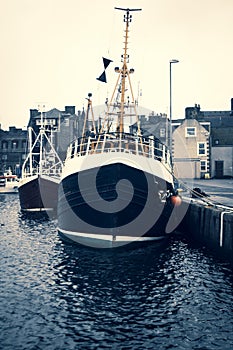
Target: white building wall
186 159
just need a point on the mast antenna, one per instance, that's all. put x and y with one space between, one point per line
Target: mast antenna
124 72
127 10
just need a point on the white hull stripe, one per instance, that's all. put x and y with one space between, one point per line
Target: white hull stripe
37 209
109 237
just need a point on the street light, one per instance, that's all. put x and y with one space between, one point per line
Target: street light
170 66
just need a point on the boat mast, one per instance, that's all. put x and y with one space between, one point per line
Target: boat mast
30 150
86 125
124 72
42 132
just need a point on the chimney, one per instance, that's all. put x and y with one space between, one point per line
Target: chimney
189 112
34 113
70 110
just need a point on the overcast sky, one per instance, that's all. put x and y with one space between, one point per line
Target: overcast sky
51 53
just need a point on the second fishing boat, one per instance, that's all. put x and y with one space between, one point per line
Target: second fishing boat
38 186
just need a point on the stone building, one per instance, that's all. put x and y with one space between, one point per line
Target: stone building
13 144
61 126
154 124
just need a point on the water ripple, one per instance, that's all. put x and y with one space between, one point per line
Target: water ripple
59 296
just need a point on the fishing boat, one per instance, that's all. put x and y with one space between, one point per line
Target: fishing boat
8 182
116 187
38 186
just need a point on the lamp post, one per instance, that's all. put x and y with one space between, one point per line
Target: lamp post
170 114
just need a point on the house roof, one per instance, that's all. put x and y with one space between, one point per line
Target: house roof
222 136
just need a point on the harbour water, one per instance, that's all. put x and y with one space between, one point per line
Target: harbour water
55 295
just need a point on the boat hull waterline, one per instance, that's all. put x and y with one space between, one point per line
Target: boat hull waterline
39 193
125 207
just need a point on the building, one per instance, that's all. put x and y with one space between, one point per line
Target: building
13 145
190 149
61 126
202 142
219 146
154 124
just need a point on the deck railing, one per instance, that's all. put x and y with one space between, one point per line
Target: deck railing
47 169
149 147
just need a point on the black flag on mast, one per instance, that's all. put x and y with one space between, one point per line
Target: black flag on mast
102 77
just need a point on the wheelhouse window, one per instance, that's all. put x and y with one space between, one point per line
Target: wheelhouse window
190 132
201 148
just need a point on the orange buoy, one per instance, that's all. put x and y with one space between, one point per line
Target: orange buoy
176 200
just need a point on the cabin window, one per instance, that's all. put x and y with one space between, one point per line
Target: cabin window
201 148
190 132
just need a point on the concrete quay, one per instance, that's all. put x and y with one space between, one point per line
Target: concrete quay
210 221
219 191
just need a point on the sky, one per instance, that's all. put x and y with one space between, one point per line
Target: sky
51 54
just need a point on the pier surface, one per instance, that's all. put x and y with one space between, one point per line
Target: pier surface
220 191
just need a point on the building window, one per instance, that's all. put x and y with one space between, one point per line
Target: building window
4 144
14 144
162 132
201 148
203 166
50 122
4 157
66 122
190 132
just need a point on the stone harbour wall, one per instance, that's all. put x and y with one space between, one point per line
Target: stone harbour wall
211 226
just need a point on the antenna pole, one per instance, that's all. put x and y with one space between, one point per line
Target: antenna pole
124 70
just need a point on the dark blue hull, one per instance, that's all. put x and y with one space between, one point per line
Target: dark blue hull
116 203
39 194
